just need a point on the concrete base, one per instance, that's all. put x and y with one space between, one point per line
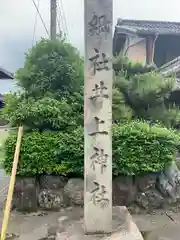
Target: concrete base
69 224
123 228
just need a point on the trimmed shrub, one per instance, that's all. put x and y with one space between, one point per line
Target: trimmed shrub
140 148
46 152
42 114
137 148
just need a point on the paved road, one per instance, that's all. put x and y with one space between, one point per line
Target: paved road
4 182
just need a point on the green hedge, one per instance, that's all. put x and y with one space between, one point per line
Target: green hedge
137 148
47 152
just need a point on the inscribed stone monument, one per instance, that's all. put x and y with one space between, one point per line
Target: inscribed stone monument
98 116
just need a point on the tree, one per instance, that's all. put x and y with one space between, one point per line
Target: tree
143 93
51 109
51 67
52 84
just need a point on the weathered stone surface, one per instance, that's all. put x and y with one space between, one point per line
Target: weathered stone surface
11 236
25 194
39 233
144 194
62 236
52 230
146 182
124 191
52 182
62 220
74 189
123 228
169 182
52 199
151 199
98 81
165 187
173 174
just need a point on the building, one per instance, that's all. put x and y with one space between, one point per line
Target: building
4 74
147 41
6 83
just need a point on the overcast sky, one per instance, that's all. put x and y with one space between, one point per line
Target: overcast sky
17 19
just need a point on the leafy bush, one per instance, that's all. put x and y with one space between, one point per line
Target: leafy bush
137 148
52 100
44 113
46 152
52 84
51 66
140 148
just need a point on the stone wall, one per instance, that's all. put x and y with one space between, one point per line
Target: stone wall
141 194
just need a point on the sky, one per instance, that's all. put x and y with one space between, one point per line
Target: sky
17 18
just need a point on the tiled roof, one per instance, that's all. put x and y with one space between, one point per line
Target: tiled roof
4 74
148 27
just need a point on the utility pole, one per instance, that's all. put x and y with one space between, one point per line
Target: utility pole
53 14
98 116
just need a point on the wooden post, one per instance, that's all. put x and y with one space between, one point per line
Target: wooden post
98 116
11 185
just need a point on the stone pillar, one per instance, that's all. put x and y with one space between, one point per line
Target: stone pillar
98 116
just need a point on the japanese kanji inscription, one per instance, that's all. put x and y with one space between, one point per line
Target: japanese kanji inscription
99 90
98 116
99 24
100 158
99 61
98 195
97 124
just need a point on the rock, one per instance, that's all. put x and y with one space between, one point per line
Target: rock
51 199
172 174
146 182
52 182
149 200
134 209
169 182
11 236
124 191
74 189
25 196
165 187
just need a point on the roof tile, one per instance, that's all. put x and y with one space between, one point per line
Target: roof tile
143 26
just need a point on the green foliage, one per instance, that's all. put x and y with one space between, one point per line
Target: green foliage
145 92
120 110
51 107
52 83
137 148
129 68
46 152
44 113
51 66
140 148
